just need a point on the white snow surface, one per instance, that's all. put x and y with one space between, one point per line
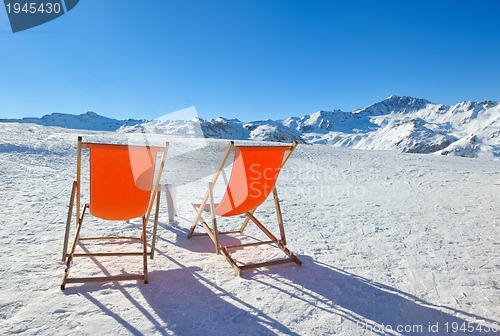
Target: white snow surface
391 244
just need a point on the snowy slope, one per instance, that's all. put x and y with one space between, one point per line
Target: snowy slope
388 242
87 121
409 136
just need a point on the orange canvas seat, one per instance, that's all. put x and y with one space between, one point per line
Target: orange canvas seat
255 171
253 178
120 190
123 186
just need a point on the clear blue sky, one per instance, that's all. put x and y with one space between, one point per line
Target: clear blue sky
250 59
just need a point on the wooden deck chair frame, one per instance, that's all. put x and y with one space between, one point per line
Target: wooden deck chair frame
75 201
208 205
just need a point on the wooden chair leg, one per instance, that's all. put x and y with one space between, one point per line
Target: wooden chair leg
214 219
279 216
155 225
68 221
69 259
144 250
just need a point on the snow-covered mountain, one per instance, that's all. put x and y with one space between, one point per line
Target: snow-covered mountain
220 128
87 121
405 124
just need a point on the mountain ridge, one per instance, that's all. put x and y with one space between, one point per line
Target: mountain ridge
402 123
89 121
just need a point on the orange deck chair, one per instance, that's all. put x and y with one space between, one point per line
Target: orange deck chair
123 186
253 178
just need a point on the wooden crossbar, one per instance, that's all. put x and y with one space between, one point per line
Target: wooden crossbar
111 238
127 277
266 264
251 244
109 254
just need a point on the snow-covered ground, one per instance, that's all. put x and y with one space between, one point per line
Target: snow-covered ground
389 242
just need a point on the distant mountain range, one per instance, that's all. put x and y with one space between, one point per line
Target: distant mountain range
86 121
405 124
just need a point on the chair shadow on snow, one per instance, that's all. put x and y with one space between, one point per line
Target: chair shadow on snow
195 305
188 303
183 301
369 305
